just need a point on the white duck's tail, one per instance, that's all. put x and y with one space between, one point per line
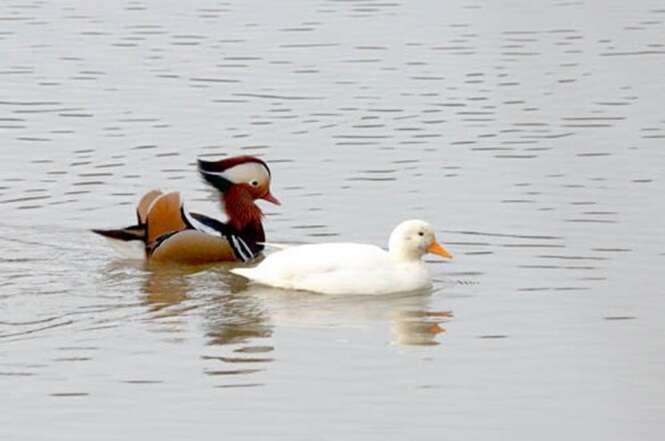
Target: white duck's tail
279 246
247 273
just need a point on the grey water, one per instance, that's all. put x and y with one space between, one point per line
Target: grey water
531 134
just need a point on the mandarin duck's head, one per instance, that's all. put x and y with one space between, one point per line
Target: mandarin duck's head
248 172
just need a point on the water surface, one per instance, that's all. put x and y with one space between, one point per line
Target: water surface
529 133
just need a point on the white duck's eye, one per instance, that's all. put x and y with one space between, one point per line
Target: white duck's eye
254 183
420 233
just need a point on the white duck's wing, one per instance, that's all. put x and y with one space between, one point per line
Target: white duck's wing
325 257
328 268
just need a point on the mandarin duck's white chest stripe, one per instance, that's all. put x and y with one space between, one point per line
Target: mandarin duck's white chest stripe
204 224
241 249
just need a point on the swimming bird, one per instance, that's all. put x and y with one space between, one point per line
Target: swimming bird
169 232
353 268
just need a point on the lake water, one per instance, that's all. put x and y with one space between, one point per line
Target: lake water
531 134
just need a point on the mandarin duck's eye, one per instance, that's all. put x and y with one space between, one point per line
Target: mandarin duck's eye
254 183
420 233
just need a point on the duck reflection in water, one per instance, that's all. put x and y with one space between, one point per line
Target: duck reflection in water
236 312
412 322
235 324
230 317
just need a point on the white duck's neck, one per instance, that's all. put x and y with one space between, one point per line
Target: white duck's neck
402 253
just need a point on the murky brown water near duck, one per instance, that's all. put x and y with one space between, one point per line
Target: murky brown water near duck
531 134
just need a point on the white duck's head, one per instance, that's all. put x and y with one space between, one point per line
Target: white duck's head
412 239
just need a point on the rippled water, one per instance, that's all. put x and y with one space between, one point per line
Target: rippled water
531 134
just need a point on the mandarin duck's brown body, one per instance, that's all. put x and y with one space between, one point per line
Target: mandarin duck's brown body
171 233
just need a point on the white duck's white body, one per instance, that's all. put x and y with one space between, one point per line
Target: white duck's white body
351 268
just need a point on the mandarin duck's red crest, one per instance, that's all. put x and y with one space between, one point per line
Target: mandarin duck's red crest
227 163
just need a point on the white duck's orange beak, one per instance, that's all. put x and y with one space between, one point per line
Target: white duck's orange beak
436 248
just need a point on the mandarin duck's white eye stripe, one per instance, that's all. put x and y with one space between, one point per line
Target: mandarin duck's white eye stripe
246 173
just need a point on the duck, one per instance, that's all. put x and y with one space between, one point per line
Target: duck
170 232
353 268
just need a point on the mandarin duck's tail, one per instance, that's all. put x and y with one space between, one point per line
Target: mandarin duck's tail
138 231
135 232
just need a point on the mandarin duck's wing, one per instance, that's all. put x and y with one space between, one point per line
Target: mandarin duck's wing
202 239
243 247
144 205
193 247
164 216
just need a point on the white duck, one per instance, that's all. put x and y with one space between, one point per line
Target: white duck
353 268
